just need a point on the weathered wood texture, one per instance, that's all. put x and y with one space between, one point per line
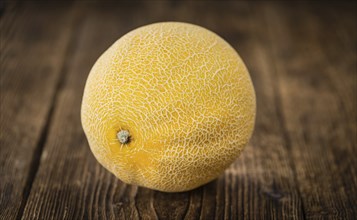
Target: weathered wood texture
33 48
300 163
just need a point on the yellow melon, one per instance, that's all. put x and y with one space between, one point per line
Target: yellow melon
169 106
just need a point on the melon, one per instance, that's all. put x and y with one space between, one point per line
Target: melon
169 106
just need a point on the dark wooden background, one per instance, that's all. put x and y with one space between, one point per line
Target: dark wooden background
300 163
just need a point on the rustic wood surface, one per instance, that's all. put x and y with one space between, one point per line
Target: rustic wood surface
300 163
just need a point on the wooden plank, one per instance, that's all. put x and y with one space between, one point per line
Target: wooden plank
317 88
33 47
341 30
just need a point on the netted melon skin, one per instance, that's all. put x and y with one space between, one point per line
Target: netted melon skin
184 95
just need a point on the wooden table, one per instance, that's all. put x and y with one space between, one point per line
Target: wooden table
301 160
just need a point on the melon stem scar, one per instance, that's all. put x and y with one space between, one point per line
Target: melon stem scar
123 136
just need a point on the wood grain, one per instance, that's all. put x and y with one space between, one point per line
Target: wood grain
317 127
32 53
298 165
